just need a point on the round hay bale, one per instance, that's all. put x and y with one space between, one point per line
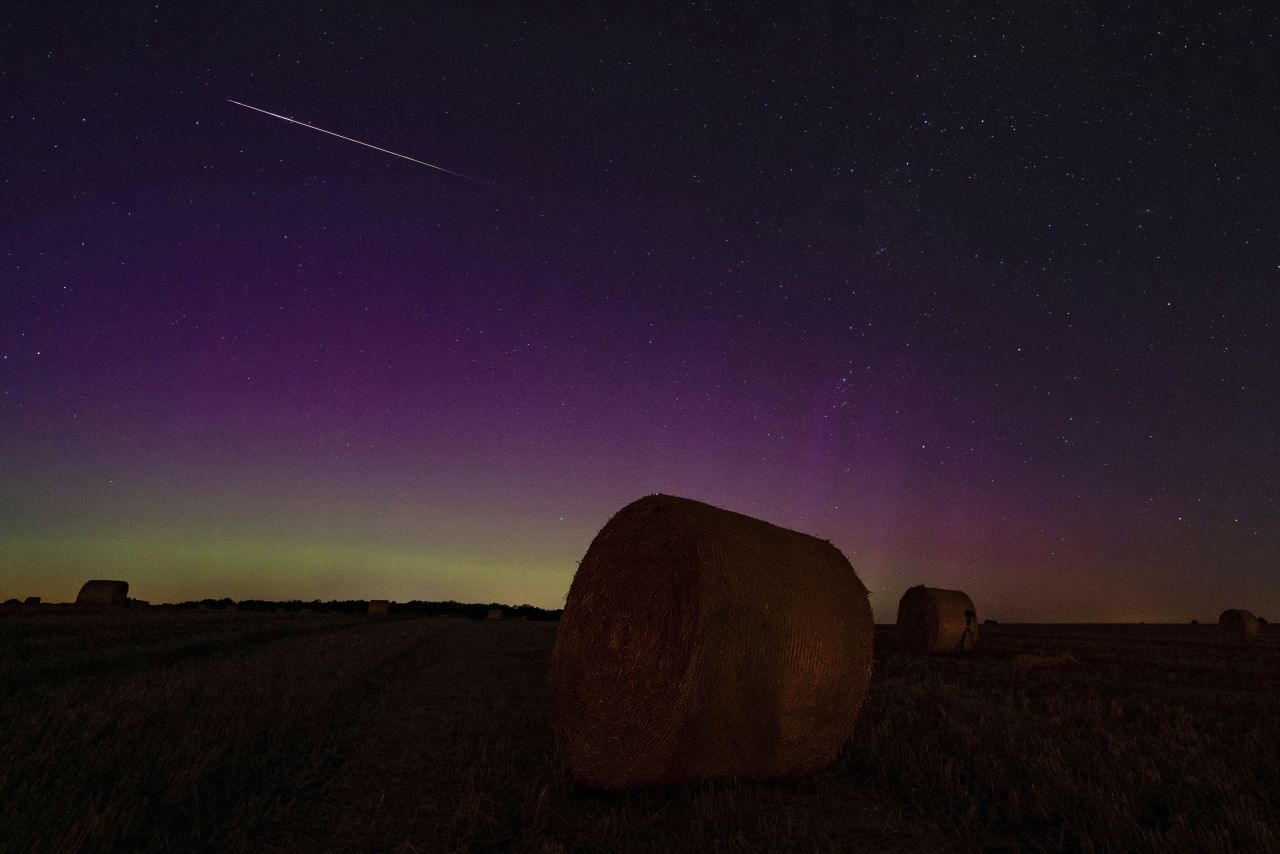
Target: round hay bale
494 614
934 620
378 607
104 594
698 643
32 600
1238 623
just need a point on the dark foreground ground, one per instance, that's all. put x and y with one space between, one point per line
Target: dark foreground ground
152 730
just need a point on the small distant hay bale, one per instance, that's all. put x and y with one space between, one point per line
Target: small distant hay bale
1029 661
698 643
99 594
494 614
1239 623
31 600
378 607
934 620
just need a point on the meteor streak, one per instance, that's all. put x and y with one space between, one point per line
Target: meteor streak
358 142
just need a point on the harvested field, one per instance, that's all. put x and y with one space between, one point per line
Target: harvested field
247 732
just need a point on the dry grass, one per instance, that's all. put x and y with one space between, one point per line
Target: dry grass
245 732
1157 738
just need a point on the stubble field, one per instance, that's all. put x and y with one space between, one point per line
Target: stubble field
163 730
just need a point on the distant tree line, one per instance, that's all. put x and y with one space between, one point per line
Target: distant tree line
467 610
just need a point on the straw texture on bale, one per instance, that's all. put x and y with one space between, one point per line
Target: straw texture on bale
494 614
103 593
1239 623
378 607
934 620
698 643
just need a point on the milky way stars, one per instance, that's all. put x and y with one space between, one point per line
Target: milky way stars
989 300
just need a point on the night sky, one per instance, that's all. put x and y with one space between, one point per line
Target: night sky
990 299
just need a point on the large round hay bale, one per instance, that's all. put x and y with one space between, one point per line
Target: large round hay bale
699 643
378 607
1238 623
934 620
104 593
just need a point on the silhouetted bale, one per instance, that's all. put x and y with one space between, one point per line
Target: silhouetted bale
378 607
698 643
1262 621
104 593
934 620
13 601
32 600
990 622
1195 622
494 614
1238 623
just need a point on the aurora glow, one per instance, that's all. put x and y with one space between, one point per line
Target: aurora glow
989 303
